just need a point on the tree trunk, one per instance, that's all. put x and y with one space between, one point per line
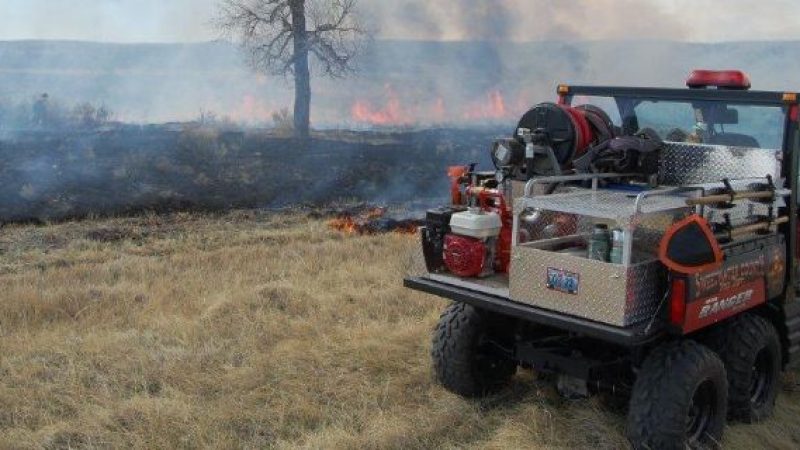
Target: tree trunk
302 74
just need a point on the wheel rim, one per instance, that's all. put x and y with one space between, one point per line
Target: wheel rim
761 378
701 411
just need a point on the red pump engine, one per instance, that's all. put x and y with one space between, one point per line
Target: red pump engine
479 242
464 256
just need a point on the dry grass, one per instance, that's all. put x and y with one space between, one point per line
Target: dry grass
251 330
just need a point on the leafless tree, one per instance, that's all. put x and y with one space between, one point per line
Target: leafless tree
281 36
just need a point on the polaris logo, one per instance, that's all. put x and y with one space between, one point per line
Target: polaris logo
715 306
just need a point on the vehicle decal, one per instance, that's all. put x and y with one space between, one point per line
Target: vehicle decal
731 276
710 310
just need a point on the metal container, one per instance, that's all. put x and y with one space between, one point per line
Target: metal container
609 293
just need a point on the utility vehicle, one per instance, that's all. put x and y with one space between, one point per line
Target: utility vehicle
635 241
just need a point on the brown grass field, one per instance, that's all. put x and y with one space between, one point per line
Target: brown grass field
255 330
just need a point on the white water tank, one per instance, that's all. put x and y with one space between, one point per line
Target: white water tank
476 223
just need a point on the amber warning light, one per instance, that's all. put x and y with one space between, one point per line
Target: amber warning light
720 79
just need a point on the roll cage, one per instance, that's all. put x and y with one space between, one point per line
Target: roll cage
790 148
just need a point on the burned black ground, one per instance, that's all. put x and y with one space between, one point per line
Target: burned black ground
57 175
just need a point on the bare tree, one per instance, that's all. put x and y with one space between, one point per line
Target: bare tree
279 36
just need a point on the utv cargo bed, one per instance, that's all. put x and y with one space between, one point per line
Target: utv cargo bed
629 336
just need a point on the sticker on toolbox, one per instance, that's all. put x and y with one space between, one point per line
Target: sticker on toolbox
563 281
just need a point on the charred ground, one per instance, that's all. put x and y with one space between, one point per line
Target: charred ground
55 175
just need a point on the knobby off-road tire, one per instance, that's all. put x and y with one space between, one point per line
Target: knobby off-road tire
463 362
679 399
751 350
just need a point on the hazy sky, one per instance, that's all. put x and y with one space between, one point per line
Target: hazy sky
188 20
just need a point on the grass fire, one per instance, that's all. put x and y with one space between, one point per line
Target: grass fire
373 220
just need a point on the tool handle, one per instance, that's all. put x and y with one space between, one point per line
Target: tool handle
747 229
725 198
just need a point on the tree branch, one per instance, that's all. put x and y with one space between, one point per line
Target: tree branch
265 31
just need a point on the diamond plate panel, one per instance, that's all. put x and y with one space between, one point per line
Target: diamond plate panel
651 228
682 164
415 264
608 293
604 204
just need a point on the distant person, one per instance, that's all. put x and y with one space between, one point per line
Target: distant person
40 110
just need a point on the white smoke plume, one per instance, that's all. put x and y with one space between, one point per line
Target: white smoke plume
521 20
497 20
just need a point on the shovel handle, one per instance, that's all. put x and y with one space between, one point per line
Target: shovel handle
738 231
725 198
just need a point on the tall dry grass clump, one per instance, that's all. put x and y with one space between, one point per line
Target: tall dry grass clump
252 330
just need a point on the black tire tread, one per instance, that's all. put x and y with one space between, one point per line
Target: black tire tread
737 343
663 390
454 351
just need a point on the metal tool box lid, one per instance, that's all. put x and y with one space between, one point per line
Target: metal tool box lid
606 204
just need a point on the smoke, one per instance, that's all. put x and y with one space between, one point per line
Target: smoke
525 20
402 83
537 20
737 20
460 61
141 82
496 20
108 20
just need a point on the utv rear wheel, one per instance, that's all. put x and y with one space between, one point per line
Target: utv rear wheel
679 399
751 350
464 358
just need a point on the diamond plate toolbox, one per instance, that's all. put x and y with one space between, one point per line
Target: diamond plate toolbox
607 293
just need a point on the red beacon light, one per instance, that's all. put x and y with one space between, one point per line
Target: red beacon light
720 79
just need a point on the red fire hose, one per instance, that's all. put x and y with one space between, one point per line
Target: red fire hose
584 134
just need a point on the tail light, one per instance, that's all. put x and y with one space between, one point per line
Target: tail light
677 302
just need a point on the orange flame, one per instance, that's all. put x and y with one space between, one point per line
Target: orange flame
392 113
344 224
494 109
369 222
395 113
